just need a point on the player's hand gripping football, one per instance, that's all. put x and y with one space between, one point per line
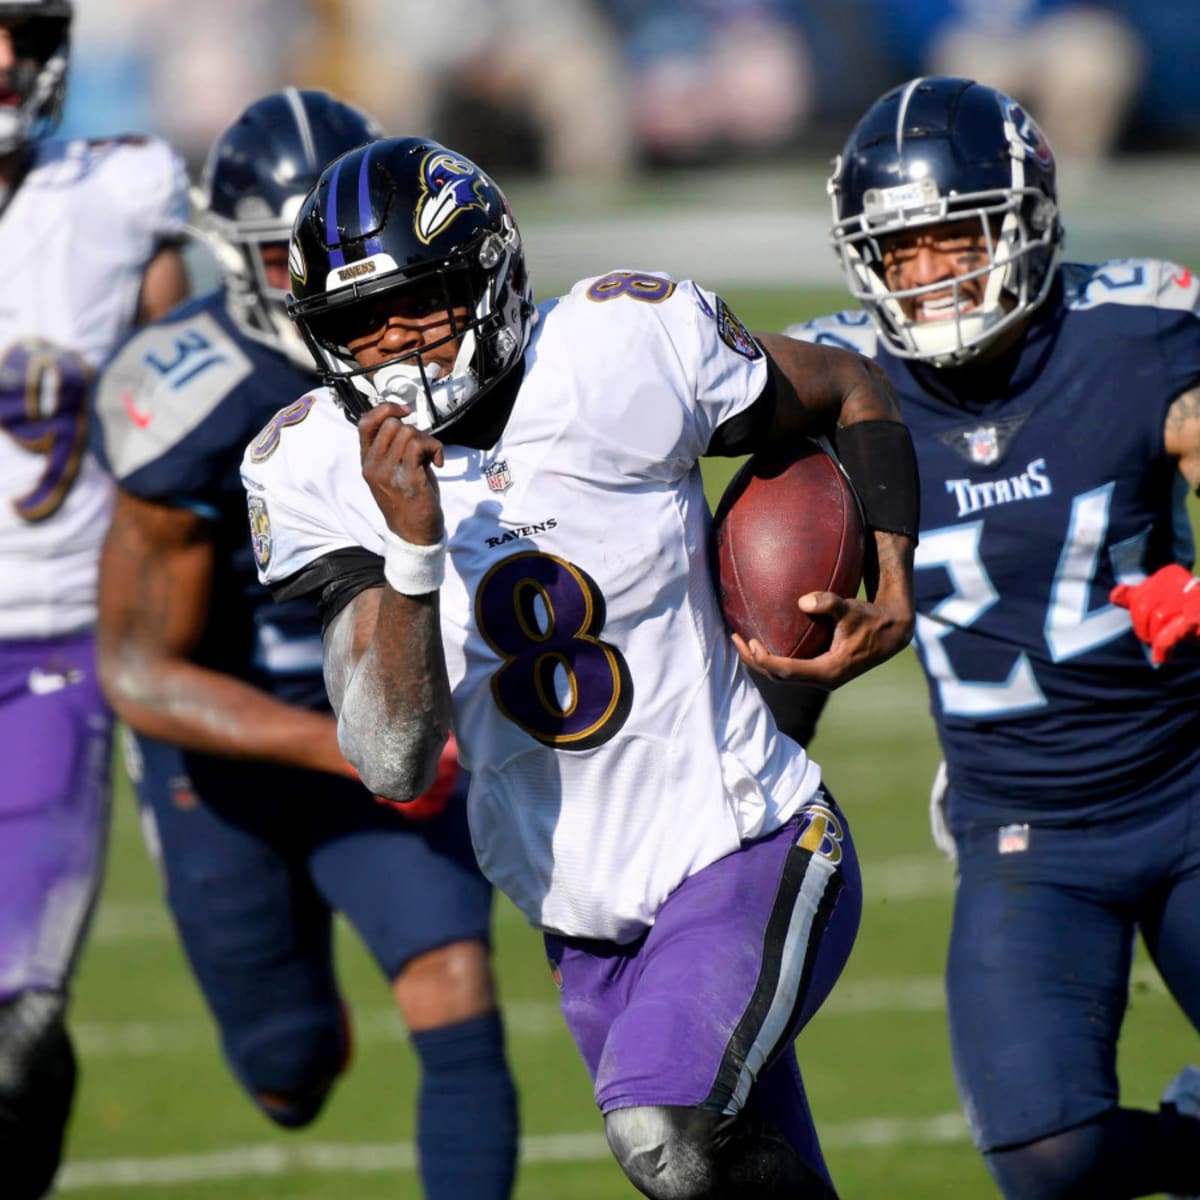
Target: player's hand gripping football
865 632
1165 609
396 461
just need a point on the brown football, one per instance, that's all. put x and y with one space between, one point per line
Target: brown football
784 527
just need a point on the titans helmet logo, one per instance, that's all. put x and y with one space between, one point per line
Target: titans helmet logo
1026 131
449 186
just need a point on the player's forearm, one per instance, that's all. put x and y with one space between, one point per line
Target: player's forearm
180 702
831 388
394 707
889 583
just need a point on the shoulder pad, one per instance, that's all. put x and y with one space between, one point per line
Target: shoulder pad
162 384
1144 282
305 490
146 180
851 329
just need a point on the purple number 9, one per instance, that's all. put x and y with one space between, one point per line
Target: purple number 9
43 408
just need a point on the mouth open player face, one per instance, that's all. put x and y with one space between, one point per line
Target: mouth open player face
925 257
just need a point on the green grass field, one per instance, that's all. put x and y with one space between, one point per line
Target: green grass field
158 1116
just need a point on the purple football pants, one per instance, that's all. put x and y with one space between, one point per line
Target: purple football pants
703 1009
55 734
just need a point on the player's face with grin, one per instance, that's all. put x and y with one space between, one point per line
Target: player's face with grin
933 254
404 321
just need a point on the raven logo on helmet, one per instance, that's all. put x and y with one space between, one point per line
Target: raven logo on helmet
449 186
297 267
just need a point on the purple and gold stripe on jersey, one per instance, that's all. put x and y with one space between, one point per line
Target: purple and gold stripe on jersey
809 887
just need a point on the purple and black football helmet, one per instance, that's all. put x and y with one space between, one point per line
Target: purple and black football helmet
41 35
254 181
409 216
945 149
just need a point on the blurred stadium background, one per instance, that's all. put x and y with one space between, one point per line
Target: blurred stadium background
694 137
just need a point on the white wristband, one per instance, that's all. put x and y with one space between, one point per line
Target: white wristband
413 570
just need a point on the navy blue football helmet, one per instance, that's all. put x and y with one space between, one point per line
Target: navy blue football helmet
945 149
406 217
41 35
254 181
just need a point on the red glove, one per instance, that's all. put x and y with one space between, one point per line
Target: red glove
1165 608
429 804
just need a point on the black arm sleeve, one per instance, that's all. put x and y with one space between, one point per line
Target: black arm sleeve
879 458
333 581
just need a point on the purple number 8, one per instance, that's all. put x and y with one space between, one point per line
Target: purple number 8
651 289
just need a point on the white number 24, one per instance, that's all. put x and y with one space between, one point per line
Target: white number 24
1070 629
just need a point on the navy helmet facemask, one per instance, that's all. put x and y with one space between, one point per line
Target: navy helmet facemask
253 184
937 150
407 224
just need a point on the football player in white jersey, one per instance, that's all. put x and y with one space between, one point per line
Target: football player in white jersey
86 238
510 533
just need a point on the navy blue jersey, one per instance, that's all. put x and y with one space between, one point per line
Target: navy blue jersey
1043 483
176 407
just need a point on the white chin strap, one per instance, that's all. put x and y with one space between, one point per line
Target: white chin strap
942 342
431 399
402 383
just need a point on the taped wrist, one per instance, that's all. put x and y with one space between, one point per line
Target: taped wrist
879 458
413 570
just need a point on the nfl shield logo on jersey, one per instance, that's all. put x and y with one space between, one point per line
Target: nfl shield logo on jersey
1013 839
983 445
498 477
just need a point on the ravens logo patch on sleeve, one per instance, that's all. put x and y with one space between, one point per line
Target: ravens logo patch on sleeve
734 334
260 531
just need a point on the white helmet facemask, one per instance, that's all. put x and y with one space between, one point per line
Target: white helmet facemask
1012 250
256 308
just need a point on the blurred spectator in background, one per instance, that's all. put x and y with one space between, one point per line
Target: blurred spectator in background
180 70
587 89
1078 65
526 83
1168 105
711 75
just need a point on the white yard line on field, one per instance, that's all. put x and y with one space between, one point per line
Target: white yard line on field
262 1161
908 877
529 1018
